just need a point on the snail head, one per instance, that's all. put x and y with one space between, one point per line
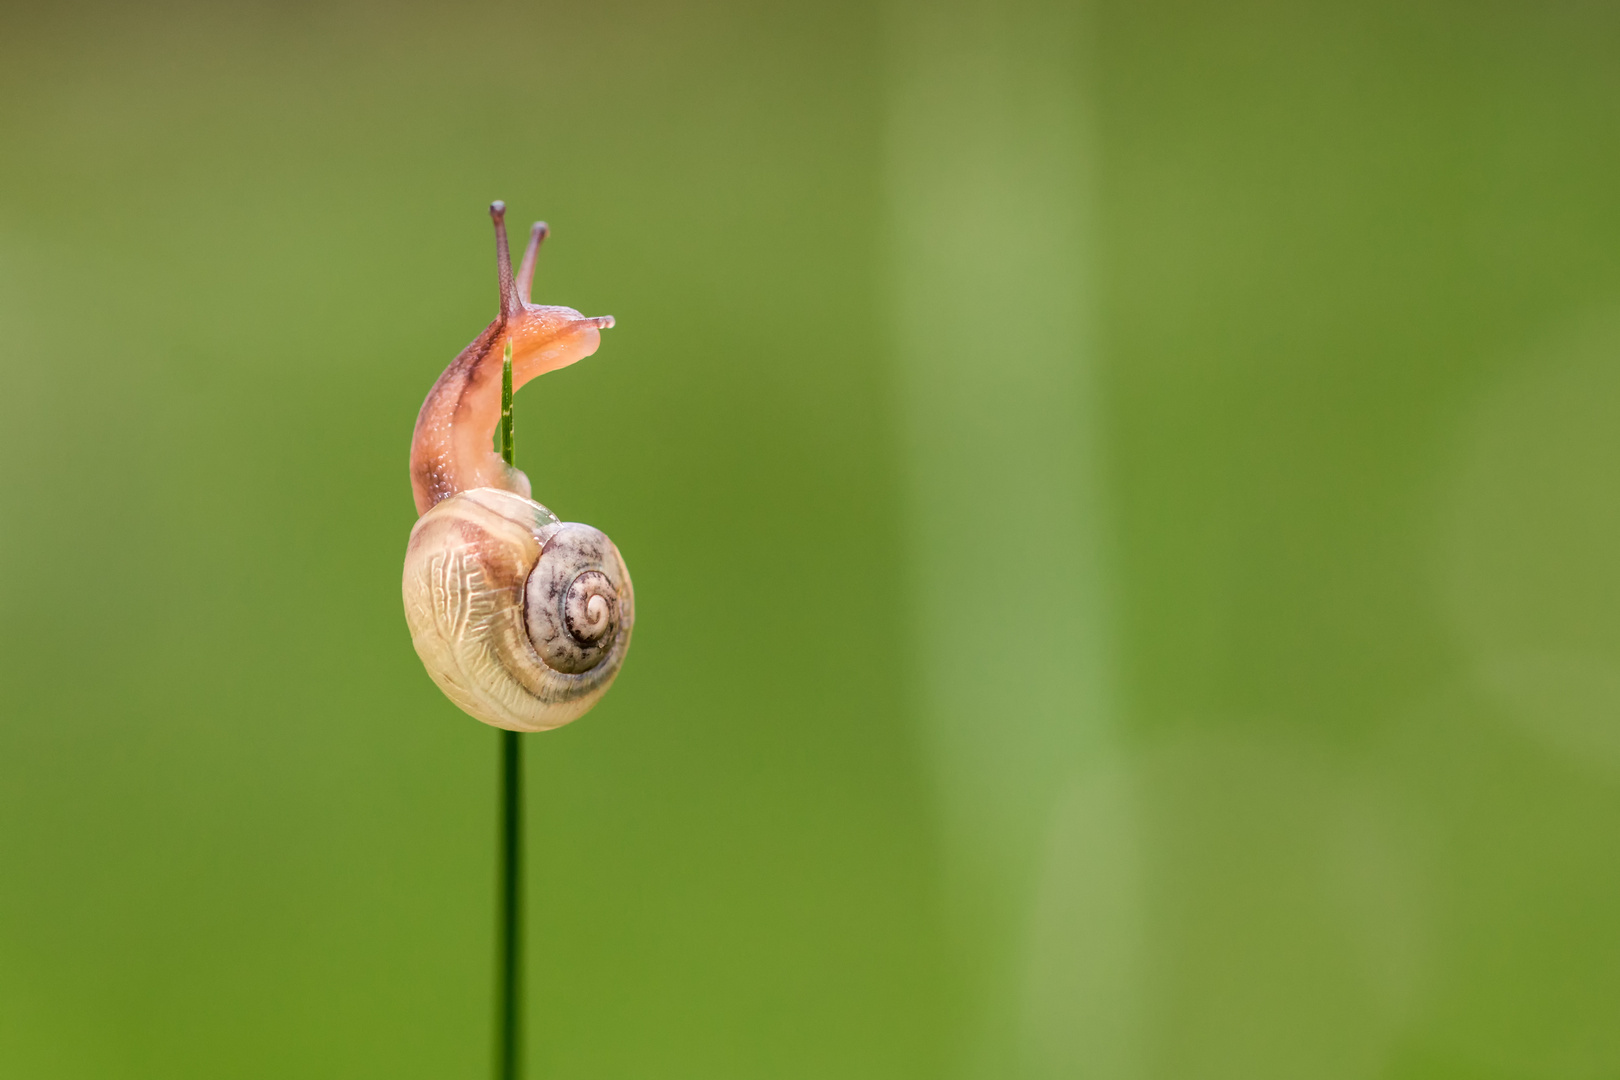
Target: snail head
451 449
544 337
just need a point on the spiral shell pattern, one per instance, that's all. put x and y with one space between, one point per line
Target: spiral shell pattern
521 619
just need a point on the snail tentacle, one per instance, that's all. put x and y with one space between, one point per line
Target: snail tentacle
525 275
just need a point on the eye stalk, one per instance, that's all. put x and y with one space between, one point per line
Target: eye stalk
525 275
511 302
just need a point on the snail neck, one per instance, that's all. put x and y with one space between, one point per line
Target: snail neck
452 448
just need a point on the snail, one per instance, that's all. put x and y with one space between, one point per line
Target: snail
523 620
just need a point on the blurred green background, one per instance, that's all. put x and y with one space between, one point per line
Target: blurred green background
1122 501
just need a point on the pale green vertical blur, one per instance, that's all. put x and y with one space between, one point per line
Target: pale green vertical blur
1357 267
988 190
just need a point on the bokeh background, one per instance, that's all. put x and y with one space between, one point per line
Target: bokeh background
1123 501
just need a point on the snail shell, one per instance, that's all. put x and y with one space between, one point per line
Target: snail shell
521 619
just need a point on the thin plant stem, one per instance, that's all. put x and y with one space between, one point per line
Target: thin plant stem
509 929
506 405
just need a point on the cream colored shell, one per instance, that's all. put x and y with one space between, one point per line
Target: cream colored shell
522 620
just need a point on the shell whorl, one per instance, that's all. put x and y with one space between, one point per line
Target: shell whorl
572 607
521 619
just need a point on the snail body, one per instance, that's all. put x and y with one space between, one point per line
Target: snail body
523 620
